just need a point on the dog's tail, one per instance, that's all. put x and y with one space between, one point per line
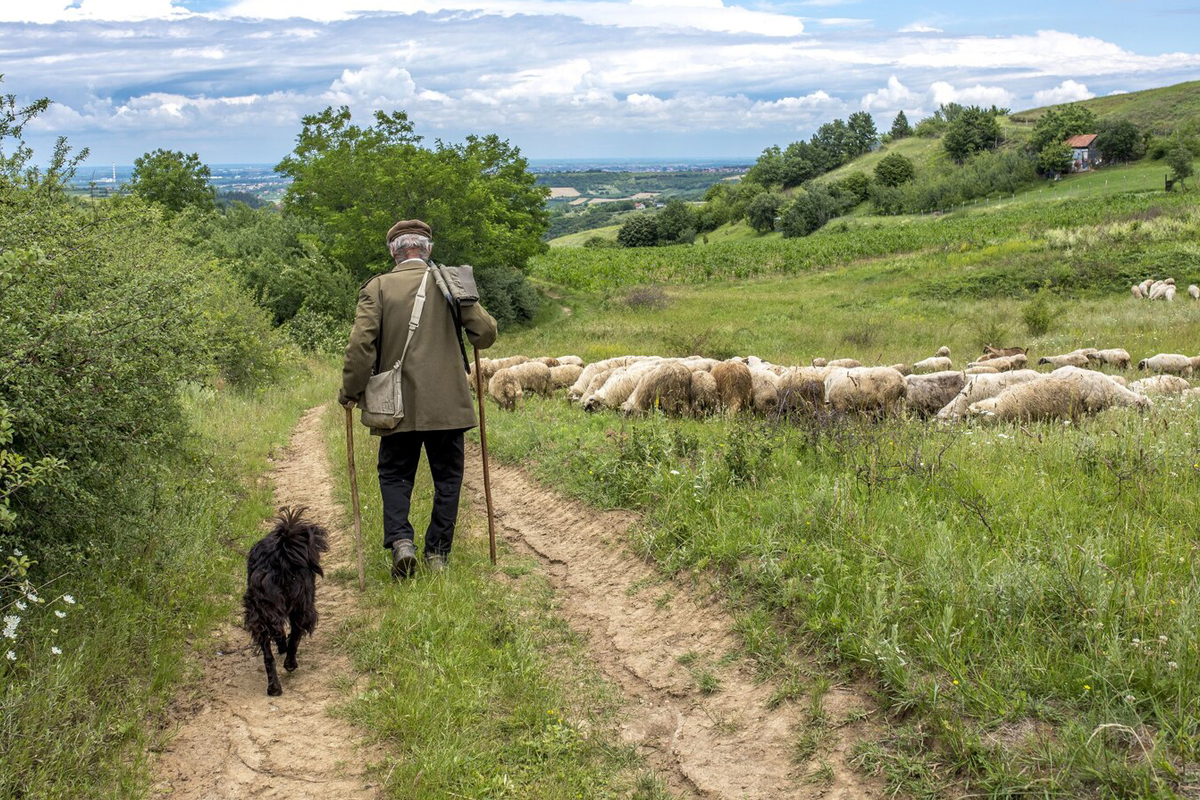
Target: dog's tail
292 527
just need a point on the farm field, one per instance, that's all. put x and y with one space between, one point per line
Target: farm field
1024 598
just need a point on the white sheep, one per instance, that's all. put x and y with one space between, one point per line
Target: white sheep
877 390
509 385
1112 357
1137 291
619 385
935 364
942 352
1169 294
703 393
1145 286
1160 384
1003 363
1076 359
981 387
572 361
1169 364
802 389
1194 292
1053 397
564 375
981 369
765 397
845 363
928 394
666 387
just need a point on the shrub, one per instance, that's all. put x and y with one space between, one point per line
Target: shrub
1060 123
1055 159
314 332
894 169
1180 162
173 180
858 185
648 297
676 223
763 210
812 208
972 131
1038 314
640 230
1119 140
1002 171
600 241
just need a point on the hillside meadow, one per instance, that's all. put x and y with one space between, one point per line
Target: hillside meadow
1023 598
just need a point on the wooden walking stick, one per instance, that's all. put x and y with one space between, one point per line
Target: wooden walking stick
487 478
362 581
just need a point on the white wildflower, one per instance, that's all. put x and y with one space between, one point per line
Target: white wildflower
60 614
1172 665
56 650
1136 642
10 626
20 606
674 472
1163 638
32 597
18 553
10 655
68 599
1130 698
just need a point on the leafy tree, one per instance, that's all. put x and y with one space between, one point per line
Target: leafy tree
768 169
811 209
1060 123
1120 140
948 112
971 131
930 128
857 185
640 230
763 210
894 169
1180 161
483 204
174 180
861 133
830 146
900 127
1054 159
676 223
797 164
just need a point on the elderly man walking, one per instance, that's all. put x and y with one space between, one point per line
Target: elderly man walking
436 396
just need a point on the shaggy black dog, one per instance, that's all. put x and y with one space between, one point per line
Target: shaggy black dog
281 572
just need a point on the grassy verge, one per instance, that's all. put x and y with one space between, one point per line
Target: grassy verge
81 722
476 687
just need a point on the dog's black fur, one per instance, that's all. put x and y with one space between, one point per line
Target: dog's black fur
281 572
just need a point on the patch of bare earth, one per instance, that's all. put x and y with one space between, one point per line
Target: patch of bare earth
233 741
711 735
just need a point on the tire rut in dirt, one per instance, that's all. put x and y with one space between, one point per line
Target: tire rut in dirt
234 741
652 637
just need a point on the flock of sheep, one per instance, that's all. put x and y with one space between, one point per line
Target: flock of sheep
998 385
1151 289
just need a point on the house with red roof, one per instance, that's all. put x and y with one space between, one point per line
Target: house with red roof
1083 152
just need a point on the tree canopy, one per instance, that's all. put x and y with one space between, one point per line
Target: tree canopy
174 180
1060 123
900 127
894 169
972 130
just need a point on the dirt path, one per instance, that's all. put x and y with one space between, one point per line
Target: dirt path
658 641
233 740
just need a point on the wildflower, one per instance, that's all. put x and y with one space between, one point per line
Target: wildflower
56 650
20 606
18 553
674 472
1163 638
10 626
1136 642
60 614
1087 687
1130 698
1172 665
68 599
956 681
32 597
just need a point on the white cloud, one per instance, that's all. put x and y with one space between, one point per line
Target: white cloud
893 97
977 95
50 11
920 27
1068 91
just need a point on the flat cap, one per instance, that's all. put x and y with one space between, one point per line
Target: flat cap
409 226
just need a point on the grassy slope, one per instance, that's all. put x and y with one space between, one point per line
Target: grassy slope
81 724
990 580
1160 109
924 153
577 239
476 687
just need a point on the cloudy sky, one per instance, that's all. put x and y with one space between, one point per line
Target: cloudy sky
560 78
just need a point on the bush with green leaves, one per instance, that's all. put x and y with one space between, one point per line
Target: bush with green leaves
1180 161
1120 140
973 130
857 185
990 173
812 208
900 128
894 170
1055 159
640 230
676 223
354 182
1060 123
174 180
763 210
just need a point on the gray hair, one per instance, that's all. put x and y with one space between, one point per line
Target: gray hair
410 241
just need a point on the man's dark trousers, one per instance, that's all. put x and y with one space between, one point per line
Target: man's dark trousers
399 456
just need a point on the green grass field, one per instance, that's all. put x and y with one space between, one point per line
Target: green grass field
577 239
1160 110
1024 598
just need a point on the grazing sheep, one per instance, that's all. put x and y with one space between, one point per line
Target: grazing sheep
564 375
735 386
580 387
703 393
935 364
619 385
1159 290
533 375
1066 360
700 363
667 387
1145 286
1055 397
1169 293
1160 384
1137 291
765 391
820 362
981 369
1194 292
942 352
877 390
802 389
990 352
1003 363
981 387
571 361
548 361
1168 363
1113 357
903 369
928 394
490 366
844 363
505 389
1169 281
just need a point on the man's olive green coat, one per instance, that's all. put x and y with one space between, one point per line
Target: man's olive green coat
433 381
